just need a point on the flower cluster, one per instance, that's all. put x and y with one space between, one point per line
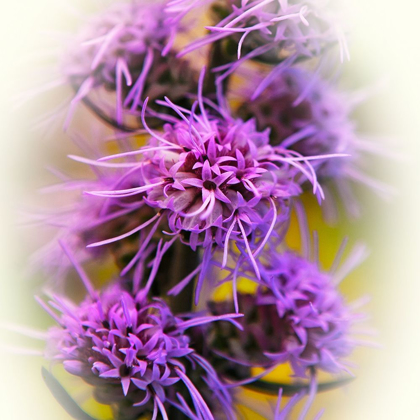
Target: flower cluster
195 188
135 352
216 178
126 50
296 316
309 115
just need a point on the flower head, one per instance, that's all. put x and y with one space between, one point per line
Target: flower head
218 175
305 114
124 49
313 117
135 353
216 179
296 316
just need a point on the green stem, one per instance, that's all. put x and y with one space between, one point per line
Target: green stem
272 388
218 56
179 261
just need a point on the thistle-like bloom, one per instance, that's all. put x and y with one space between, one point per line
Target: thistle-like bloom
124 50
136 353
216 180
297 316
312 116
305 114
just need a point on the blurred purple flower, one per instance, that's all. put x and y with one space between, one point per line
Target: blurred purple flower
312 116
305 114
125 49
80 219
313 319
296 316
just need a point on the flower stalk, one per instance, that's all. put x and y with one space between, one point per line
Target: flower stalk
215 139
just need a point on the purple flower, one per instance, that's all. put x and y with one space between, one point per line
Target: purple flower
90 219
125 49
305 114
136 353
312 116
215 179
314 320
296 316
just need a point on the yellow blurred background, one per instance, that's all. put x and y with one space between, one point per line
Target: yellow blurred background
384 46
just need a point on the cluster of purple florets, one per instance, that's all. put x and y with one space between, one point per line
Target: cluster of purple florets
134 350
214 123
295 316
